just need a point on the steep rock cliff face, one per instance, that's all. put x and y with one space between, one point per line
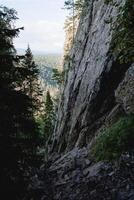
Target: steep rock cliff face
98 91
94 74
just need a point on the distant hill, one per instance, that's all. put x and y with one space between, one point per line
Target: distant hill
46 64
49 60
39 53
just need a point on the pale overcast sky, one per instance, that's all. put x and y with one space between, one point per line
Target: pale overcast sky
43 21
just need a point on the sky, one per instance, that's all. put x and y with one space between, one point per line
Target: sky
43 22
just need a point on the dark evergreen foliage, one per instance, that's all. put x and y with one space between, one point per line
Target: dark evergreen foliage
58 76
48 117
18 129
115 140
31 84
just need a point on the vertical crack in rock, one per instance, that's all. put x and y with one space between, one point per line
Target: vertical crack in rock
88 95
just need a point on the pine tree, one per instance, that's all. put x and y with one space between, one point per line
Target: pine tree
58 76
70 5
48 117
76 7
31 85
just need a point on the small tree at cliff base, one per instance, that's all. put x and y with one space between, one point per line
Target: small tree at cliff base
31 84
48 117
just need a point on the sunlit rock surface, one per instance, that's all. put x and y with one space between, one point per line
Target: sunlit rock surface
93 77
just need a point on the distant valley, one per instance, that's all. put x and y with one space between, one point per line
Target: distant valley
46 63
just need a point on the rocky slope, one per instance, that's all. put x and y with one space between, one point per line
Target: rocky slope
78 178
98 91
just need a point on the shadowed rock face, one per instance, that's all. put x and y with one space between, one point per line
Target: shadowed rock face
125 92
88 96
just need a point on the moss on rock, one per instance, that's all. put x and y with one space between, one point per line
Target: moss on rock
114 141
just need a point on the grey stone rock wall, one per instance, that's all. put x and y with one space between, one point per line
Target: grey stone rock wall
93 77
125 92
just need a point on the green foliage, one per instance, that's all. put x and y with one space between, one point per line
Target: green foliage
58 76
31 85
115 140
77 5
76 8
124 34
67 58
46 63
48 118
71 63
69 4
108 1
18 129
